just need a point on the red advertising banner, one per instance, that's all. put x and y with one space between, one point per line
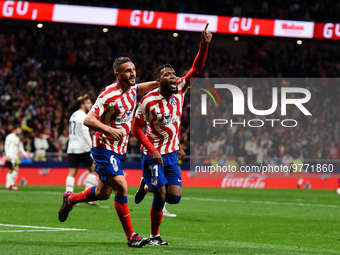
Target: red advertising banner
26 10
166 20
327 31
245 26
146 19
57 176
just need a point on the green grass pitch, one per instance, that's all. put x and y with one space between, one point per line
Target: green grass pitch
209 221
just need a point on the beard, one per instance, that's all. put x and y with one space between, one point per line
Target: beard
127 81
167 89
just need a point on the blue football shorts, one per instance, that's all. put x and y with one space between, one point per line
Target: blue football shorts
155 176
107 162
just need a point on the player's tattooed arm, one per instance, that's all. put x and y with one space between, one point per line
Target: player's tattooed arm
92 121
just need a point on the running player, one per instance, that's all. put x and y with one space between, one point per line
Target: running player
161 110
79 146
111 116
13 146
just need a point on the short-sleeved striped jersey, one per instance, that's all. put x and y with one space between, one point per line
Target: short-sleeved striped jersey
115 108
163 118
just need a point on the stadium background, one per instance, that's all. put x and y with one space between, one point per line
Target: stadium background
43 70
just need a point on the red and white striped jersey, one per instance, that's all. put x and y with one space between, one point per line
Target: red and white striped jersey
163 118
115 108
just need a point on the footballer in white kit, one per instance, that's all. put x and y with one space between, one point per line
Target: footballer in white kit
79 146
13 146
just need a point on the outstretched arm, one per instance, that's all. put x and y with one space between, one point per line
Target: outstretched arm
201 56
146 87
137 132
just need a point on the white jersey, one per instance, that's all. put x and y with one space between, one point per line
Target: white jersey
79 135
13 146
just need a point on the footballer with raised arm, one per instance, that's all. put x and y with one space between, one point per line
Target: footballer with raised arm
161 111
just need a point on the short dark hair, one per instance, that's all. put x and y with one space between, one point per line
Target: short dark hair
81 99
119 61
159 69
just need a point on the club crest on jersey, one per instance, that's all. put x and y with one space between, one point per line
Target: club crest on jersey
173 100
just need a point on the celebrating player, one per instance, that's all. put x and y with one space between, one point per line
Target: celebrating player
111 116
79 146
13 146
161 110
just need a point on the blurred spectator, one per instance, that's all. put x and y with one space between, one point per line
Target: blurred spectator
287 159
252 149
212 147
41 145
63 138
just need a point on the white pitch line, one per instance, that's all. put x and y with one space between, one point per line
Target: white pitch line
256 202
32 191
40 230
204 199
39 227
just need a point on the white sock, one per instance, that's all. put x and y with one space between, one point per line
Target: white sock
14 177
8 180
69 184
90 181
152 236
146 188
164 206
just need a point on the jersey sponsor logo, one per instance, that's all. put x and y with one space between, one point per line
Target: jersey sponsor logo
126 117
167 120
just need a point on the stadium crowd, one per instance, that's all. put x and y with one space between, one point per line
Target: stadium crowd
42 72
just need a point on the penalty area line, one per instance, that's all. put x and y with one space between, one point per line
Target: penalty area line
39 230
38 227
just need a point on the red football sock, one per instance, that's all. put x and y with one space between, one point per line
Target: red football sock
156 220
149 190
124 217
84 196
